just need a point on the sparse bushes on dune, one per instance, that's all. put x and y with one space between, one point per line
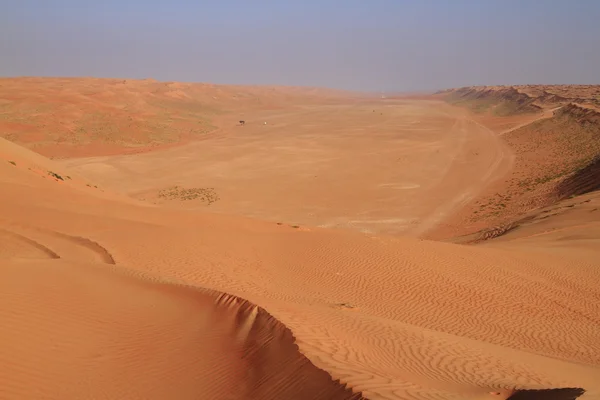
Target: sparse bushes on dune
556 158
206 195
55 175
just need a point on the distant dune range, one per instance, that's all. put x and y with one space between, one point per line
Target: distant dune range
84 116
163 275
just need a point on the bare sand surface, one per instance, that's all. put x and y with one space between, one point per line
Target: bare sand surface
410 163
104 296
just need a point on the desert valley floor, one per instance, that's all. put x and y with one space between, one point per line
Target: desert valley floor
334 246
375 166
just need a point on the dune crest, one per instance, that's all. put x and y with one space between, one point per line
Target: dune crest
178 341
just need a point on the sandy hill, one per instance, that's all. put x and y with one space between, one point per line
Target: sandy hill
502 101
556 146
85 116
108 297
519 99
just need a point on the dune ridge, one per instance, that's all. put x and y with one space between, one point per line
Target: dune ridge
228 339
502 101
94 336
555 156
507 100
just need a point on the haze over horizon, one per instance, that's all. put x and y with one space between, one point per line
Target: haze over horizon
368 46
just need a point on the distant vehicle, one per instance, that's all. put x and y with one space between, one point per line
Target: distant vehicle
242 122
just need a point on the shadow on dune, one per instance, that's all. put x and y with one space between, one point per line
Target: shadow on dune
548 394
583 181
276 368
127 335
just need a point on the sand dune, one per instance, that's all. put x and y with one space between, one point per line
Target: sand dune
108 297
67 117
555 155
87 331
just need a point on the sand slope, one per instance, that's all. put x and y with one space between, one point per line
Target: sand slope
556 152
87 116
86 331
112 299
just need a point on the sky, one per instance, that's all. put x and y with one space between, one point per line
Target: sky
366 45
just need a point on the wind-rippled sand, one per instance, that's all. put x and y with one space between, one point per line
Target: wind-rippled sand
105 297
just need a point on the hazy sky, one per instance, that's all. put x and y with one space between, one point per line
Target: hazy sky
352 44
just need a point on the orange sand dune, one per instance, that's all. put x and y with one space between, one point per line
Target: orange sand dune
80 330
556 154
64 117
105 298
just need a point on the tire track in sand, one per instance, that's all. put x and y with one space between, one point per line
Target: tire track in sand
502 160
61 245
20 239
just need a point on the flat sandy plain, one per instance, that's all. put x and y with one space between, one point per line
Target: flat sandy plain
207 266
396 166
